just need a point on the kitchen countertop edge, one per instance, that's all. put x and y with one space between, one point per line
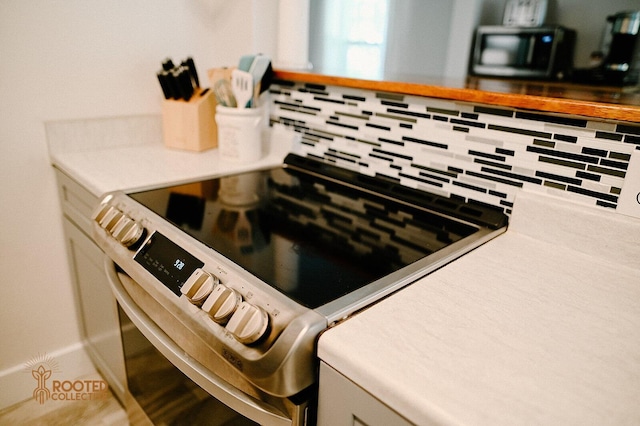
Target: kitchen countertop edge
509 95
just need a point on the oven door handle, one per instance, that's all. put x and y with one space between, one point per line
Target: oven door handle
237 400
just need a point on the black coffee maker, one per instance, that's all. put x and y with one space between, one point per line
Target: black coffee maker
619 55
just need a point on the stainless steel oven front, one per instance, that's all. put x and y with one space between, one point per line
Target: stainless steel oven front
168 386
224 285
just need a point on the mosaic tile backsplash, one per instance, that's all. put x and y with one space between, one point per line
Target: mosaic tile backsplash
478 152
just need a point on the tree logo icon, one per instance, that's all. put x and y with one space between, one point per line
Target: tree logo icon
41 368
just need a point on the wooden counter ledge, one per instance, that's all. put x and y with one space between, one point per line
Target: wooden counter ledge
589 101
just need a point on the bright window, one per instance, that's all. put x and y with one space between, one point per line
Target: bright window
357 32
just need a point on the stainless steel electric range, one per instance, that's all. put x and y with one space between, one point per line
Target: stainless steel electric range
231 280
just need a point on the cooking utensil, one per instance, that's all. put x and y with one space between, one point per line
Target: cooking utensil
258 68
224 94
242 87
245 62
267 79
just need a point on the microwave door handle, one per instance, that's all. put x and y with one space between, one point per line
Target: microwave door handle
230 396
532 47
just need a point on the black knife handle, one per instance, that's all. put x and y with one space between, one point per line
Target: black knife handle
185 84
163 78
167 64
192 70
173 84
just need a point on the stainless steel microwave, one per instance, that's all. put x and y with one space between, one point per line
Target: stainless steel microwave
537 53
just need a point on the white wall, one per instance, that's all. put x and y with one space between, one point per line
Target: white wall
79 59
430 39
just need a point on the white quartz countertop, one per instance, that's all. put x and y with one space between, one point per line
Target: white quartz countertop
146 166
127 153
539 326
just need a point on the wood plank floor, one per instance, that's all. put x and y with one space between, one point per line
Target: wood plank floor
167 396
104 412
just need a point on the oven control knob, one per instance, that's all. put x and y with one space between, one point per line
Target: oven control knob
106 217
249 323
124 223
222 303
111 225
198 286
130 234
101 211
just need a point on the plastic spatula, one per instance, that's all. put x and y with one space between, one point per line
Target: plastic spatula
245 62
242 87
258 68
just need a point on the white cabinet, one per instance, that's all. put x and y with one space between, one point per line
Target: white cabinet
96 306
343 403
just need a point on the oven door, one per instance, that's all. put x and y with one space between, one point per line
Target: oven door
152 362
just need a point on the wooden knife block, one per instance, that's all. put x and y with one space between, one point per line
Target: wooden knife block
190 125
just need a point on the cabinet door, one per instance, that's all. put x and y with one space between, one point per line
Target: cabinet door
77 203
343 403
96 306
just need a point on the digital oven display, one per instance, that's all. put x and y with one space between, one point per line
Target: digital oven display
167 262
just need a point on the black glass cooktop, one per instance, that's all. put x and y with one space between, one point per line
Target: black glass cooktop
309 235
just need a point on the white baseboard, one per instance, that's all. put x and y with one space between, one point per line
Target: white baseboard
17 383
